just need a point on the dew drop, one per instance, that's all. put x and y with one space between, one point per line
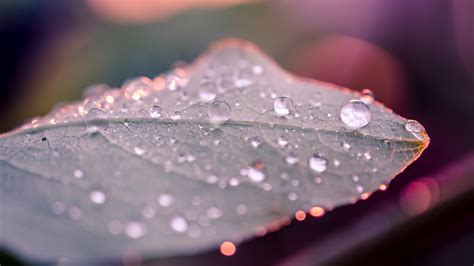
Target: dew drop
368 96
241 209
292 196
346 146
219 111
139 151
282 105
255 172
292 159
214 213
356 114
318 163
155 111
135 229
207 92
78 173
179 224
255 141
413 126
176 115
165 200
257 69
98 197
96 118
367 155
283 140
58 207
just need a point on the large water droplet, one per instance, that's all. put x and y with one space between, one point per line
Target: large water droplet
318 163
292 159
282 105
207 92
179 224
413 126
356 114
96 118
283 139
155 111
98 197
219 111
255 172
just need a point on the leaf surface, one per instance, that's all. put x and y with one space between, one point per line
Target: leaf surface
156 167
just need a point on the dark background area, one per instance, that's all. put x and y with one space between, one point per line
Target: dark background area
417 56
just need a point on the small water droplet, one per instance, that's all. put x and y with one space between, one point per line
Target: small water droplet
413 126
214 213
139 151
98 197
241 209
255 172
148 211
367 155
58 207
359 188
135 229
219 111
318 180
355 178
283 140
257 69
165 200
356 114
337 163
346 146
292 159
179 224
368 96
155 111
78 173
255 141
292 196
282 105
318 163
207 92
176 115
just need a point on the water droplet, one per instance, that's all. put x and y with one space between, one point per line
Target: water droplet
413 126
58 207
75 213
337 163
219 111
176 115
355 178
282 105
135 229
292 159
318 163
356 114
283 140
255 141
207 92
98 197
139 151
78 173
241 209
155 111
292 196
96 118
368 96
255 172
257 69
214 213
367 155
359 188
165 200
346 146
179 224
318 180
148 211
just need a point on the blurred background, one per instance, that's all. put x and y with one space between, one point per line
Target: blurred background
417 56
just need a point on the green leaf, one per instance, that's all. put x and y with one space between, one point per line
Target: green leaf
222 150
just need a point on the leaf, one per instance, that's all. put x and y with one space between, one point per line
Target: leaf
156 167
